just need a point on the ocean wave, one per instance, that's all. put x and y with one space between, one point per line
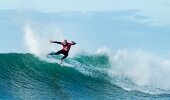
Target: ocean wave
25 76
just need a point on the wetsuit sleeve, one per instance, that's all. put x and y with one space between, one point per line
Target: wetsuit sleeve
56 42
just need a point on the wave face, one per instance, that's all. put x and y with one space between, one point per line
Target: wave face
24 76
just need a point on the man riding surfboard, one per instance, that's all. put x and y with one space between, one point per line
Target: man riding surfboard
65 50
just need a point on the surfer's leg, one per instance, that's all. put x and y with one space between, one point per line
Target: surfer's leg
65 55
59 52
56 53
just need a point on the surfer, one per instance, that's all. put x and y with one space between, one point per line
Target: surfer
65 50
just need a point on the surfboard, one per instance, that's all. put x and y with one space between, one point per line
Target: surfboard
63 64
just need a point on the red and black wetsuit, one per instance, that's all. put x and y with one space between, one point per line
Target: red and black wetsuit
65 50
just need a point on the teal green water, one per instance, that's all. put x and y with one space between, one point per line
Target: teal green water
26 77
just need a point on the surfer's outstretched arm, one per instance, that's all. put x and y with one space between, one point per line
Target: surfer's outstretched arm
55 42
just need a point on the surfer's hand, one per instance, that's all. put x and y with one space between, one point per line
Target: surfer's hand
73 43
51 41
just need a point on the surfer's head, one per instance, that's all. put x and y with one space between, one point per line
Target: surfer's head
65 41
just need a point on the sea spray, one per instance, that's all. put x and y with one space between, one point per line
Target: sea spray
37 41
141 68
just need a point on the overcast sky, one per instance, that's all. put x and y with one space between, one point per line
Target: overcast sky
158 10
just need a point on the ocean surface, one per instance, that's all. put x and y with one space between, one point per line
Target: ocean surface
28 77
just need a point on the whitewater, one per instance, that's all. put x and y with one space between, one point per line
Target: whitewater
102 75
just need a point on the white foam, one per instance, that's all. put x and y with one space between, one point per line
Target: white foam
37 38
142 68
